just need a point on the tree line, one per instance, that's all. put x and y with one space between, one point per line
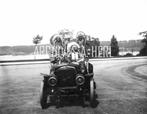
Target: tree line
91 41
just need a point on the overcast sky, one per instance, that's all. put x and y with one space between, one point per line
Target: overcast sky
21 20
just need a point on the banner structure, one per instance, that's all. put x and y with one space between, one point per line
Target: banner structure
91 52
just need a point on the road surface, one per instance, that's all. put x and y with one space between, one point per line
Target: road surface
121 88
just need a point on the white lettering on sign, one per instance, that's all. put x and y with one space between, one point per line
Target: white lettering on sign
92 52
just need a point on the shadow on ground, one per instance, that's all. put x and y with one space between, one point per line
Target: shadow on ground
73 101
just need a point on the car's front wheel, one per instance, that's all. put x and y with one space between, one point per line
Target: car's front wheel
92 93
43 96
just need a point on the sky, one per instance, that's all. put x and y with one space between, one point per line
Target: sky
22 20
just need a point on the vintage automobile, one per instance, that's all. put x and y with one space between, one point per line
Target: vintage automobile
68 78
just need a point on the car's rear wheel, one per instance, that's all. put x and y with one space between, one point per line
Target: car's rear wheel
43 96
92 92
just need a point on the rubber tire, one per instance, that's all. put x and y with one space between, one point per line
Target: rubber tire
43 97
92 92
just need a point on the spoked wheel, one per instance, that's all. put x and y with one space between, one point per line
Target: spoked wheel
92 93
43 97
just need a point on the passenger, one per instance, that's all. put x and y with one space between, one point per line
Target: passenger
74 54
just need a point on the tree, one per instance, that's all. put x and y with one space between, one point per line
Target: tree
143 51
66 34
96 41
56 39
114 46
81 38
37 40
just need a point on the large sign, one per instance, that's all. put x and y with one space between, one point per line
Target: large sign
98 51
91 52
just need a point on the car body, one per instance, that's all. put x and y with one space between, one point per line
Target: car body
68 79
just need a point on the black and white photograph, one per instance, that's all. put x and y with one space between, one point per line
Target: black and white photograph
73 57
